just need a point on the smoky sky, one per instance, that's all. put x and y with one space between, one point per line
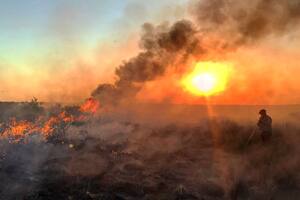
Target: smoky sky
161 46
238 23
248 21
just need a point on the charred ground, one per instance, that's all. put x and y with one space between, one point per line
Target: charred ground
105 157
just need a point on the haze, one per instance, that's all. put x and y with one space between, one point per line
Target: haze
60 51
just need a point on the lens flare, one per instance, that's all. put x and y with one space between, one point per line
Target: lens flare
207 78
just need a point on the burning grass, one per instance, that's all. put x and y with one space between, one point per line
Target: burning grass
106 158
47 126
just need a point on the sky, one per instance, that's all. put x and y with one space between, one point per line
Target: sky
61 50
49 46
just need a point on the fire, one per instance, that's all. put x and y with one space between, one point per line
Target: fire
49 126
91 105
15 130
207 78
18 129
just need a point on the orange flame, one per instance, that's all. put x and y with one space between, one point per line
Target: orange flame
17 130
91 105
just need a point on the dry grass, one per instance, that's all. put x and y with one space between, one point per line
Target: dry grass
209 160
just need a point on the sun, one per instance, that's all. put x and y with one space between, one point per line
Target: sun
207 78
204 82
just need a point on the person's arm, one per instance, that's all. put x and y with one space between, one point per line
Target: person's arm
259 123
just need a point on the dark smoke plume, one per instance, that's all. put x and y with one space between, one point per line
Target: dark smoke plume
247 21
235 22
162 47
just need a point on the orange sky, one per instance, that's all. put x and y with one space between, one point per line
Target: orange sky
264 72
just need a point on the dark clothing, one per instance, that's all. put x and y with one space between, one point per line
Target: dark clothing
266 136
265 126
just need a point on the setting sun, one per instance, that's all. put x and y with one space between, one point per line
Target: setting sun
207 78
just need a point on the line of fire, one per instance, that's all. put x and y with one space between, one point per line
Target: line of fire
150 100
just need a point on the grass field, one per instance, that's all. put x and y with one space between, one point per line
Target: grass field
155 152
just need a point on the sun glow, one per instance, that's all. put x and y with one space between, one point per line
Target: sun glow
207 78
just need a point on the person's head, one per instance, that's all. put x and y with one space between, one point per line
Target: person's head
262 112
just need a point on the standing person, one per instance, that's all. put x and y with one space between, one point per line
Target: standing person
265 125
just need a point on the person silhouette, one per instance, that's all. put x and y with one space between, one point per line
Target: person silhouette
265 125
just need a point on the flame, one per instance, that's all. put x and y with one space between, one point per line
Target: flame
15 130
19 129
91 105
49 126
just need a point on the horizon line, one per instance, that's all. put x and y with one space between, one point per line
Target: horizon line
156 103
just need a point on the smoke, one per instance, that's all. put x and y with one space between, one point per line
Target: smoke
168 152
162 47
113 157
245 22
156 151
19 163
217 28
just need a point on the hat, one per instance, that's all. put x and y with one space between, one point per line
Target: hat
262 111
